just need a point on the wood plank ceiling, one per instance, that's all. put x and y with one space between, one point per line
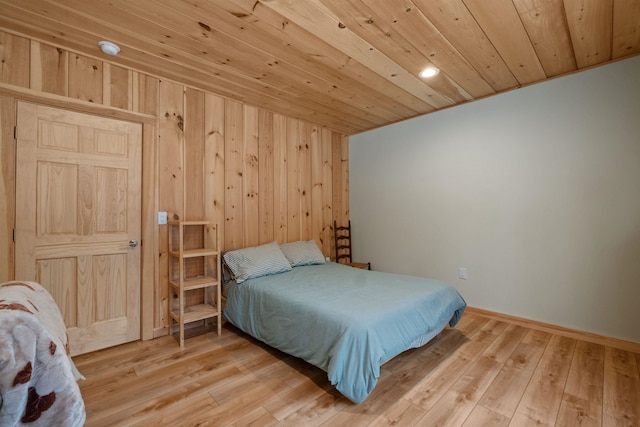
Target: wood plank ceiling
351 65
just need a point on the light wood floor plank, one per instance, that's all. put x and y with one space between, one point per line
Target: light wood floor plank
314 413
245 404
504 394
294 399
582 401
401 413
461 399
428 392
484 372
502 348
159 394
484 417
199 409
541 400
621 389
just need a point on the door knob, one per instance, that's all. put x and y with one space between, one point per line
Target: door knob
133 243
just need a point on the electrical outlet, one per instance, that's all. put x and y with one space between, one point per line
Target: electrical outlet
162 218
462 273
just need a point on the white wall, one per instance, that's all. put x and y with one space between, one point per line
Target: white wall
535 191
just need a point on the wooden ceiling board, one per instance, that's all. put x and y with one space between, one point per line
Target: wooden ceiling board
626 28
78 40
263 20
190 71
405 18
360 19
501 23
546 25
193 45
590 24
347 65
458 25
262 101
201 41
315 20
348 90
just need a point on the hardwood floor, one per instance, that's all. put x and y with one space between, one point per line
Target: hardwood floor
483 372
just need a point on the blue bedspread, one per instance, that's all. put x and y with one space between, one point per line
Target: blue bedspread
344 320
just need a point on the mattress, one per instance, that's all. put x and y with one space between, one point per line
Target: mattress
344 320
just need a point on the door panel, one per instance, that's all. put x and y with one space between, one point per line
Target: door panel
55 198
78 187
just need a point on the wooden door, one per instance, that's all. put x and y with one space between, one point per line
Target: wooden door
78 190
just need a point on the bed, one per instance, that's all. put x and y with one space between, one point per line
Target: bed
37 376
344 320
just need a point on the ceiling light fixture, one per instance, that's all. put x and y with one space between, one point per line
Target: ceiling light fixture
109 48
429 72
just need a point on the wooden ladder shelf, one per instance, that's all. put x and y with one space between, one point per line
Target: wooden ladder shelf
194 274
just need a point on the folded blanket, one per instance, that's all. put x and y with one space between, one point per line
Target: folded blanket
37 376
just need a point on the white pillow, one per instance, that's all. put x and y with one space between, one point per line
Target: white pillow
257 261
302 253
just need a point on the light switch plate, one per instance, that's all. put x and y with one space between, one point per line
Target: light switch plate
162 218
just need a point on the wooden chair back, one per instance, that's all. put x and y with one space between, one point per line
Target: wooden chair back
342 241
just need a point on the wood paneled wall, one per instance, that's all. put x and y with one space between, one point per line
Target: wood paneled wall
262 176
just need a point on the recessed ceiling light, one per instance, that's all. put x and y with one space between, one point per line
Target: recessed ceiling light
429 72
109 48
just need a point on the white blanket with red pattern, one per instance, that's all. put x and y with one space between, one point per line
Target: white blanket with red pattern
37 377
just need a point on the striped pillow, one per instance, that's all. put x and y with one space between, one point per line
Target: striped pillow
302 253
257 261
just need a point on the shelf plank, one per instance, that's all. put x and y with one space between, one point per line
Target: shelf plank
192 253
197 312
196 283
